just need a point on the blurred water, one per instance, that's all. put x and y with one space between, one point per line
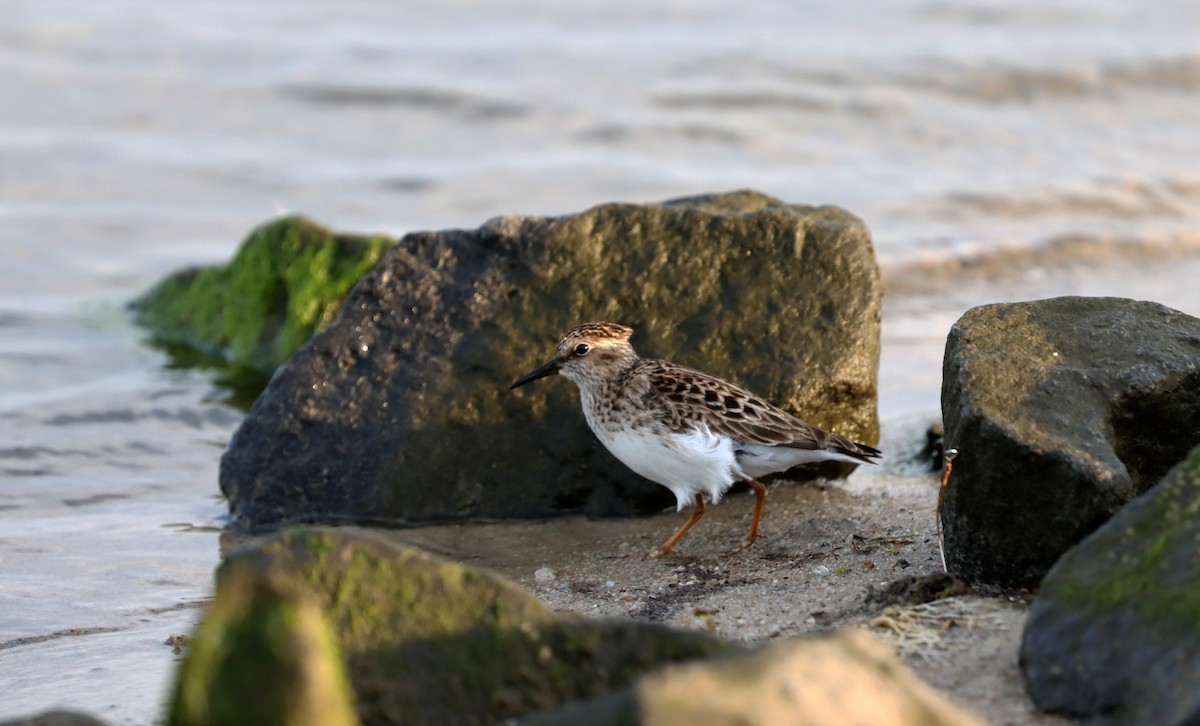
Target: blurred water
135 131
137 137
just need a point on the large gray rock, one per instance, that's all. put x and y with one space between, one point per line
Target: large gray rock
1114 634
1062 410
400 409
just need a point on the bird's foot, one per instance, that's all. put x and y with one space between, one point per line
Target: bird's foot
658 552
745 545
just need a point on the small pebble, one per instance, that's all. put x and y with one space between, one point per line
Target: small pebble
544 574
610 584
821 570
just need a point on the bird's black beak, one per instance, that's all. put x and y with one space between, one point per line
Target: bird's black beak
549 369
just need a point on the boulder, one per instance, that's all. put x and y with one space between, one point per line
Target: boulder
400 410
1062 411
286 282
265 654
1114 634
427 641
847 678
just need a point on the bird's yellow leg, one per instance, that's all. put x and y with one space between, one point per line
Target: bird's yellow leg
760 496
670 544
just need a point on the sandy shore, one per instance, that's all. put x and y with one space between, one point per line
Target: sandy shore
826 547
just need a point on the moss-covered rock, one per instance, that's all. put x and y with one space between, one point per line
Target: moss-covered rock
1062 411
847 677
265 654
1114 634
286 282
400 410
429 641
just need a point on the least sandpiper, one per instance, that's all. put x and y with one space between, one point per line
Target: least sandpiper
694 433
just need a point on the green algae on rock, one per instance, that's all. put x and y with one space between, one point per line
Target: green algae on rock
265 654
286 282
430 641
1114 633
400 410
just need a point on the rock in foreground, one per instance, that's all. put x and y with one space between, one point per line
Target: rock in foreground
264 655
845 679
425 641
400 409
1062 411
1114 635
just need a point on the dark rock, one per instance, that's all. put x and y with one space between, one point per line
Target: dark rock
430 641
1062 411
286 282
265 654
1114 634
399 411
847 677
1192 719
934 450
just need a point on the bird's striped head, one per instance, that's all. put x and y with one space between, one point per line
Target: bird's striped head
588 352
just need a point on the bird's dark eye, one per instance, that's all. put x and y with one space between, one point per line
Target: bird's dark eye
582 349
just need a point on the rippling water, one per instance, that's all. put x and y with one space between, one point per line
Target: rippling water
137 137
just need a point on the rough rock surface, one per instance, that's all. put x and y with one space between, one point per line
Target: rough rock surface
430 641
265 654
848 678
1062 411
400 409
286 282
1114 635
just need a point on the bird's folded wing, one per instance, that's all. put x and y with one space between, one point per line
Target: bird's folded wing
689 397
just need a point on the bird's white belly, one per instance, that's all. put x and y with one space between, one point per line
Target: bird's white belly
687 464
